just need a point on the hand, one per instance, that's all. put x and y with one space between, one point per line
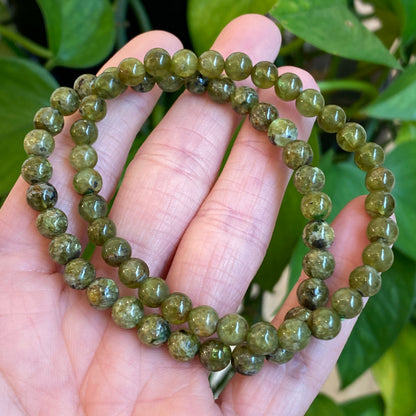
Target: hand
206 235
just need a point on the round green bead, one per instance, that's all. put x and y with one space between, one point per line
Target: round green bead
39 143
84 132
325 323
41 196
243 99
312 293
84 85
310 103
131 71
102 293
153 291
369 156
332 118
280 356
238 66
127 312
132 272
221 89
318 263
294 335
92 206
297 153
282 131
214 355
298 312
176 307
93 108
83 156
108 85
366 280
197 84
183 345
49 119
262 338
351 137
86 181
211 64
245 362
100 230
380 203
347 302
157 63
153 330
65 100
79 273
36 169
116 250
51 222
170 83
378 255
232 329
308 179
261 116
146 85
316 206
184 63
384 228
64 248
203 320
318 234
288 86
264 74
379 179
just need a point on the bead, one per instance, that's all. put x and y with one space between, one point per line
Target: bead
39 143
79 273
146 85
86 181
262 338
108 85
211 64
366 280
380 203
176 307
369 156
378 255
65 100
84 132
84 85
310 103
132 272
282 131
316 206
157 63
153 330
131 71
351 137
298 312
288 86
325 323
221 89
296 154
214 355
347 302
196 84
41 196
308 179
183 345
170 83
64 248
264 74
318 234
100 230
232 329
245 362
49 119
116 250
332 118
280 356
294 335
203 320
51 222
312 293
238 66
153 291
318 263
92 206
261 115
379 179
36 169
102 293
184 63
384 228
243 100
93 108
127 312
83 156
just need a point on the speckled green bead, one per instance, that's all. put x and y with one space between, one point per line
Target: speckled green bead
378 255
294 335
382 228
36 169
176 307
288 86
310 102
84 132
316 206
51 222
380 203
197 84
214 355
264 74
153 330
245 362
297 153
369 156
92 206
131 71
351 137
282 131
64 248
146 85
280 356
102 293
157 63
232 329
347 302
221 89
65 100
100 230
238 66
308 179
132 272
243 99
93 108
86 181
262 338
79 273
203 320
170 83
83 156
211 64
366 280
39 143
116 250
153 291
332 118
184 63
261 116
318 263
183 345
298 312
49 119
127 312
325 323
41 196
84 85
318 234
379 179
108 85
312 293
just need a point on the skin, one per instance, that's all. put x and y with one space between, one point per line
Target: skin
60 356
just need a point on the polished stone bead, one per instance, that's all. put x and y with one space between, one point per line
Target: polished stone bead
318 263
116 250
83 156
184 63
197 84
41 196
380 203
39 143
245 362
79 273
332 118
64 248
127 312
308 179
84 132
298 312
92 206
170 83
86 181
108 84
131 71
102 293
176 307
49 119
379 179
51 222
65 100
310 103
214 355
369 156
243 99
312 293
132 272
203 320
347 302
84 85
351 137
153 330
378 255
232 329
93 108
294 335
100 230
262 338
282 131
318 234
316 206
325 323
261 116
238 66
221 89
157 63
280 356
382 228
153 291
183 345
264 74
146 85
297 153
288 86
36 169
366 280
211 64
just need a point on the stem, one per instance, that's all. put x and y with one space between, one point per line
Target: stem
348 85
120 11
141 15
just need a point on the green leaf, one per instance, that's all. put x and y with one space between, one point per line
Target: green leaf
395 374
330 26
81 33
406 132
28 88
371 405
409 21
324 406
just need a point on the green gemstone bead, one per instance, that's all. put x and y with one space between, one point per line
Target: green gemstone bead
100 230
232 329
108 85
288 86
83 156
176 307
146 85
49 119
131 71
310 103
84 132
39 143
86 181
380 203
64 248
298 312
153 330
132 272
245 362
102 293
297 153
378 255
384 228
280 356
243 99
325 323
294 335
351 137
116 250
366 280
203 320
211 64
93 108
308 179
41 196
36 169
332 118
347 302
379 179
282 131
65 100
79 273
197 84
238 66
184 63
183 345
84 85
261 116
214 355
264 74
369 156
92 206
312 293
221 89
262 338
127 312
153 291
318 234
318 263
170 83
157 63
316 206
51 222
